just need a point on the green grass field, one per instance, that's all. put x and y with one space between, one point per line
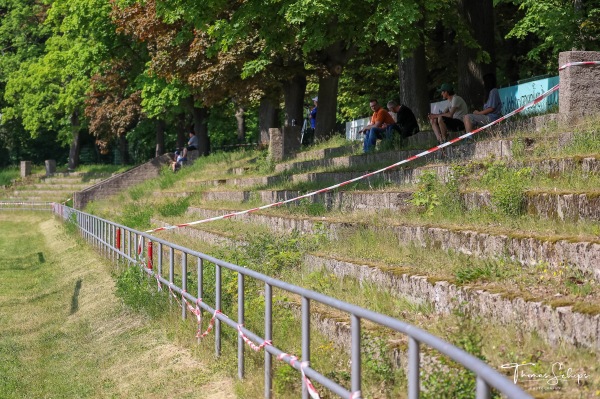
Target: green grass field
64 334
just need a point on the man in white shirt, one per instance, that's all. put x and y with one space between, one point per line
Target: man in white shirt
450 119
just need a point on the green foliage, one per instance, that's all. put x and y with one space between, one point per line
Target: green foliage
585 142
264 163
7 176
286 381
138 291
138 192
377 362
559 26
425 196
136 215
447 379
71 226
486 270
308 207
176 207
507 187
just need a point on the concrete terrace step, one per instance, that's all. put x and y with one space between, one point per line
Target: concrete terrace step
554 324
325 153
57 186
471 150
572 206
70 180
41 192
410 175
527 249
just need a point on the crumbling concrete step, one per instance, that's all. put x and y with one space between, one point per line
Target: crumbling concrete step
41 192
326 152
409 175
526 248
472 150
70 180
552 205
58 186
243 182
554 324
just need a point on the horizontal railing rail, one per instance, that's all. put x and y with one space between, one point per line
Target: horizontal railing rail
25 206
121 242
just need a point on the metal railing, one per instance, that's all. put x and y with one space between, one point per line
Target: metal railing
120 242
25 206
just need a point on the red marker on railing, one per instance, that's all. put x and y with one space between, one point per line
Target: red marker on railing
118 239
149 254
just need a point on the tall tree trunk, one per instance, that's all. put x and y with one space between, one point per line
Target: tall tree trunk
75 144
293 94
200 117
412 72
160 137
327 105
268 117
240 118
182 130
124 149
334 57
479 16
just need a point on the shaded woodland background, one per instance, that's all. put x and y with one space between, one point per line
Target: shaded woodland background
117 81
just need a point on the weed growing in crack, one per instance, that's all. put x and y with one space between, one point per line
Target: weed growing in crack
507 187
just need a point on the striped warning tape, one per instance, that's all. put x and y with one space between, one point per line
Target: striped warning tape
405 161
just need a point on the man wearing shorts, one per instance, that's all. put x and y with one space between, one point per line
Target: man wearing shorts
452 118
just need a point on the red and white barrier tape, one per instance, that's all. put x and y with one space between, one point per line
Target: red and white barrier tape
311 388
210 325
251 344
580 63
407 160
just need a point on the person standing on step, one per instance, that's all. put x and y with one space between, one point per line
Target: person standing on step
374 130
313 114
192 144
492 109
450 119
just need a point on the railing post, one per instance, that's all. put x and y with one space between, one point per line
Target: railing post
305 339
218 307
483 390
200 277
183 283
240 322
355 354
268 336
171 264
129 243
414 364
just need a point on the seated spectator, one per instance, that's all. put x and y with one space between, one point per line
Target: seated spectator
406 122
492 109
374 130
191 145
450 119
178 162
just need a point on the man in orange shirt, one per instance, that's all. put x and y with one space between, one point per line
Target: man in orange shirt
374 130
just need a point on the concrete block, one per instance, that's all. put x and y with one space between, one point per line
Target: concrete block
579 93
25 168
50 167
